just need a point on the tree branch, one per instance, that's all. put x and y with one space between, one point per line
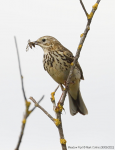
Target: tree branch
78 51
26 115
59 126
27 103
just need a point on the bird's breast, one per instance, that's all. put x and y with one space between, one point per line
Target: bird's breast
57 66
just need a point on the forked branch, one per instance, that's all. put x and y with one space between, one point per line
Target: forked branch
57 121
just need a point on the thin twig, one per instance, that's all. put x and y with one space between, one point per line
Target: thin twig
20 69
56 88
77 54
83 7
37 105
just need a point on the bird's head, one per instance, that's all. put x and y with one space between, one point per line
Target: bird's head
48 43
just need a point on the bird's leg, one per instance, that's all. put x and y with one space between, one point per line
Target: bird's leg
60 97
71 82
62 88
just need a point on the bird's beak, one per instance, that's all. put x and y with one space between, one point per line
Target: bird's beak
36 42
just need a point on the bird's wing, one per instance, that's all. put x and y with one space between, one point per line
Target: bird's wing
70 57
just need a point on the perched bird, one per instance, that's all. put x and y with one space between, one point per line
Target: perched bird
57 62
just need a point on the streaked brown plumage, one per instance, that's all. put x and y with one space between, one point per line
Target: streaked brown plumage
57 62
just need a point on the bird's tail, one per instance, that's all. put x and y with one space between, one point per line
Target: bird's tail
77 105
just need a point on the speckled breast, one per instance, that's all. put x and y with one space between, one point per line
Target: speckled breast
58 67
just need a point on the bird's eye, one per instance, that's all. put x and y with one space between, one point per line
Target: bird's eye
43 40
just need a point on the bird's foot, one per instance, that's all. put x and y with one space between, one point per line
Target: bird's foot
59 107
